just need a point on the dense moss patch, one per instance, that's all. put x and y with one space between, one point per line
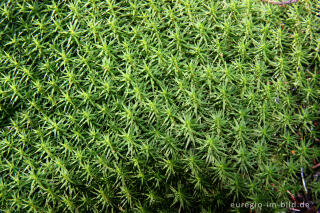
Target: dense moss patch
156 105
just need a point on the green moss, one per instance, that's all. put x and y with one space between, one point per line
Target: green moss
156 105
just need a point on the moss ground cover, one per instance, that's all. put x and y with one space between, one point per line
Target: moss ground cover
157 106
